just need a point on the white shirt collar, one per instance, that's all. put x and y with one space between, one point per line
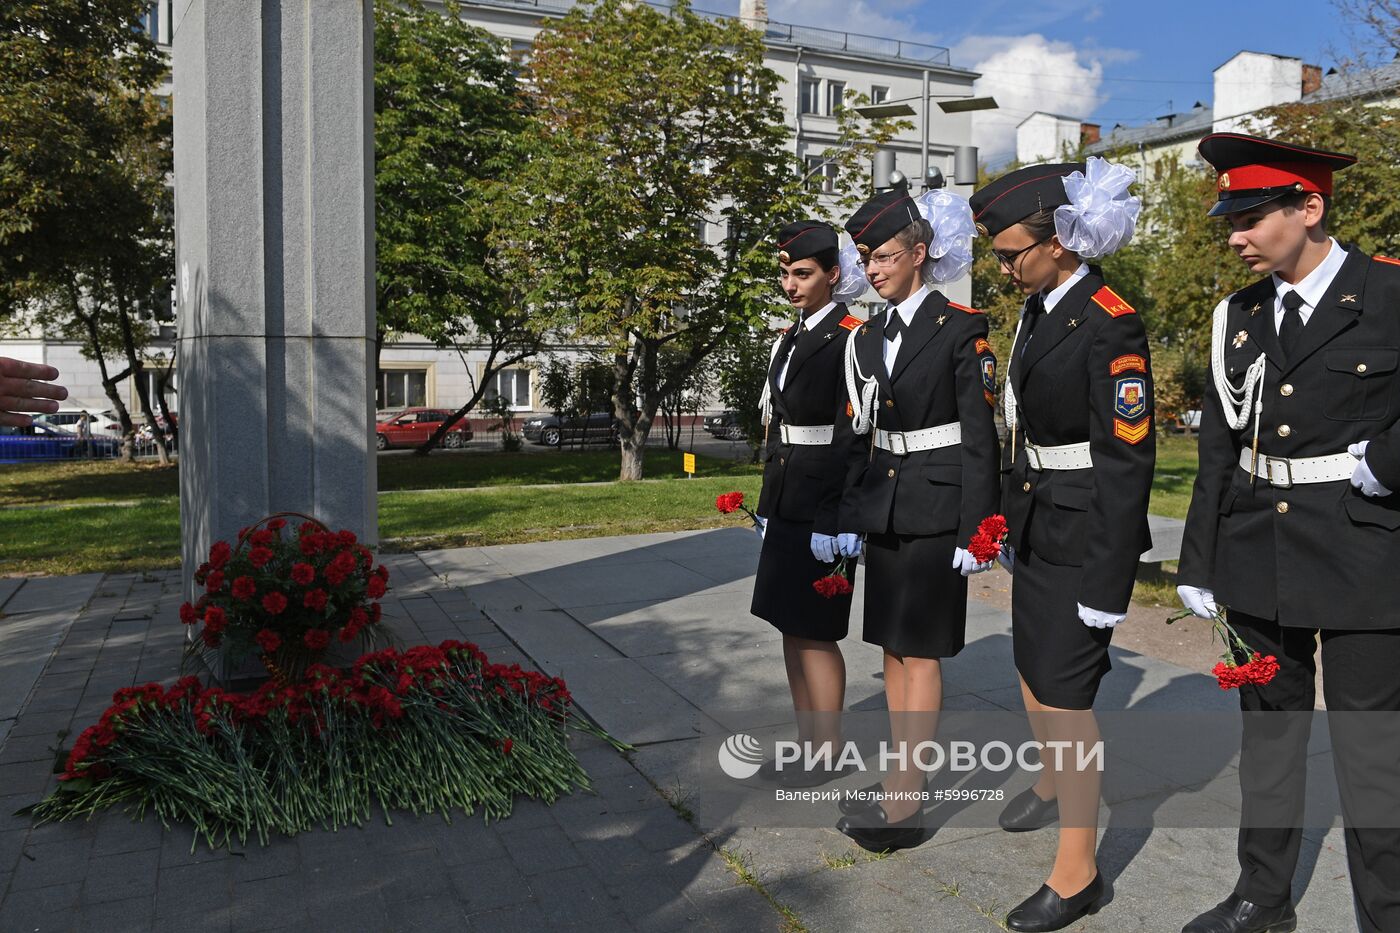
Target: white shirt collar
1314 285
816 317
908 306
1053 297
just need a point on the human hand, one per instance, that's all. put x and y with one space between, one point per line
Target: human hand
1201 602
965 564
1362 477
824 548
27 387
1097 618
848 544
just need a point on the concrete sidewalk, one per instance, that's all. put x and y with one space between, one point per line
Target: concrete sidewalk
654 638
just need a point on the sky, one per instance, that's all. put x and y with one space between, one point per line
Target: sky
1104 62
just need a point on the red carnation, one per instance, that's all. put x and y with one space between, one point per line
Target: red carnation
315 600
310 543
507 745
303 573
832 586
219 554
259 556
376 612
729 502
986 543
269 641
1257 670
262 538
188 615
215 581
215 619
274 603
376 587
346 538
317 639
244 588
277 524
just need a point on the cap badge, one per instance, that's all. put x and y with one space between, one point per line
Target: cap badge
982 229
863 250
1224 181
784 256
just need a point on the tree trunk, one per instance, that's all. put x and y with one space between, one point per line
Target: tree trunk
138 372
170 426
109 384
633 453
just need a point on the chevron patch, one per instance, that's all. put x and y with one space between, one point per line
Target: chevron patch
1130 362
1112 302
991 399
850 323
1132 432
982 346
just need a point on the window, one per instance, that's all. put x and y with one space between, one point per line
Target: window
513 385
153 373
835 92
821 174
701 230
401 388
808 96
734 83
879 94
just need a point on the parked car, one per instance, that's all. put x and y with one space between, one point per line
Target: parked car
413 426
40 441
70 412
600 427
725 424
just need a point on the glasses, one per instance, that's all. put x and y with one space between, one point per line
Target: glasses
1008 260
882 260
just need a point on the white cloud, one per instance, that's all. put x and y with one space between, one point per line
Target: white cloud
1026 74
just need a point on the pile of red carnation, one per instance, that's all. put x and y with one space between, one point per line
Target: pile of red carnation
834 584
429 729
986 543
285 597
1257 670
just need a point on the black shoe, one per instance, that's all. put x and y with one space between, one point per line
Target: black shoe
1045 910
870 830
1237 915
1027 811
860 803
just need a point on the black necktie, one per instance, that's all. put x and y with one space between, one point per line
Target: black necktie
1034 308
894 323
1292 327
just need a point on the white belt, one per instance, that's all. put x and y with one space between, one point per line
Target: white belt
808 435
1284 472
1064 457
900 443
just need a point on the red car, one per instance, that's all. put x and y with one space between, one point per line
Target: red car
412 426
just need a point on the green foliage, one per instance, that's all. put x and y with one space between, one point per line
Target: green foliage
743 370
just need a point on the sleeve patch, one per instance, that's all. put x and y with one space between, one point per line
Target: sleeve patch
1130 397
964 308
982 346
1127 363
989 373
1131 432
850 323
1112 302
991 399
1393 262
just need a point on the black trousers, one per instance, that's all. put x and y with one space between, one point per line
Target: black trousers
1361 687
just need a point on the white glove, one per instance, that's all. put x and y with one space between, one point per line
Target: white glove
848 545
1362 477
1095 618
760 526
824 548
1007 558
1200 601
966 564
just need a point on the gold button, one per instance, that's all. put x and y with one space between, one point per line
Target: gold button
782 461
1361 367
889 403
1284 430
1286 389
891 474
1026 487
1282 508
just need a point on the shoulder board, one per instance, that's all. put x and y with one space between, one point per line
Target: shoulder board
1112 302
850 323
965 308
1387 259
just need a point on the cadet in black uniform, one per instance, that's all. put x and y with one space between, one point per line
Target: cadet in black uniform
922 376
1080 455
809 444
1303 540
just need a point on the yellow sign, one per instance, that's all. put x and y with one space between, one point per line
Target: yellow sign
689 463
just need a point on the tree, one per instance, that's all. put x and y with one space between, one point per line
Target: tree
743 370
85 208
649 127
448 119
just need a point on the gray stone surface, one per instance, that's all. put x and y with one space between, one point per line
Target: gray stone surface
275 257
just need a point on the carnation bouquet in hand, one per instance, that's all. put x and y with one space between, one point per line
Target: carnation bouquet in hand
835 583
987 542
733 502
284 596
1240 664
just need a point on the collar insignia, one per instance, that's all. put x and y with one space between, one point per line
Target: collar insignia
1241 339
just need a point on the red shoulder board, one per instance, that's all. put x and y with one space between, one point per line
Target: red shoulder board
1111 302
954 304
850 323
1393 262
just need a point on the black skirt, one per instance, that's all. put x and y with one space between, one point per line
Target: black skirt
783 594
915 602
1060 658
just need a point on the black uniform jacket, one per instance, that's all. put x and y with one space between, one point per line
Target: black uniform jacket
1083 373
1317 555
802 482
945 372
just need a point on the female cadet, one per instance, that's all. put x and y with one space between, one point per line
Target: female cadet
1080 451
921 380
808 446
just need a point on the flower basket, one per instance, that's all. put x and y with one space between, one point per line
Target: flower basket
279 598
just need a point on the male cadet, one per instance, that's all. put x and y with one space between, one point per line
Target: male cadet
1293 523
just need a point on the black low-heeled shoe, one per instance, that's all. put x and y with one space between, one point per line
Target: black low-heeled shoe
1045 910
1237 915
866 799
872 831
1027 812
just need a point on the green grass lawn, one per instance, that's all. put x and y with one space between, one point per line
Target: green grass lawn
110 517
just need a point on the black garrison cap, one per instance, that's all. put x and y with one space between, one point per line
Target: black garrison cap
1017 195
